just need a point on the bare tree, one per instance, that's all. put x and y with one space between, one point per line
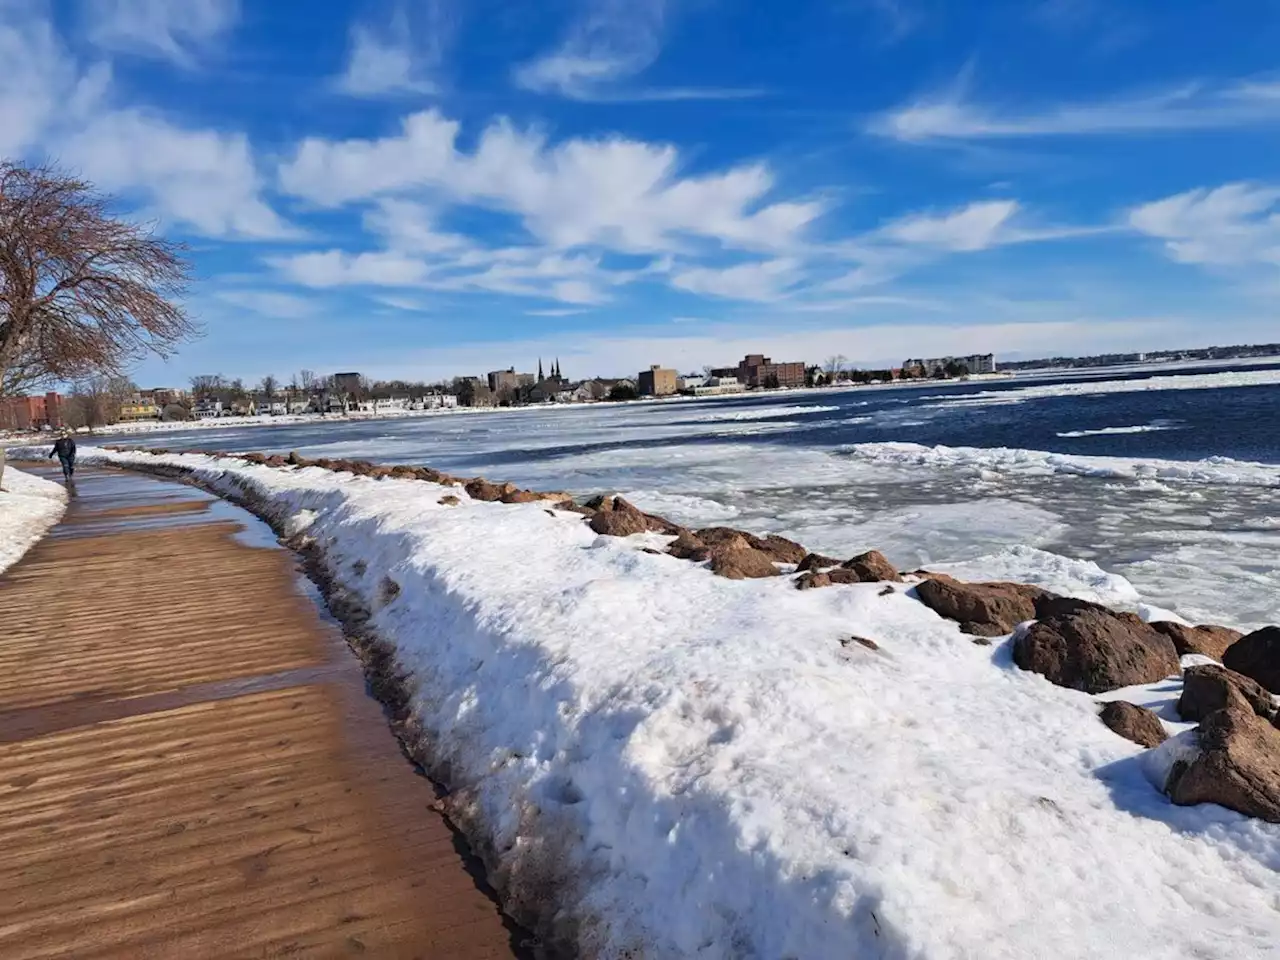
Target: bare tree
269 387
208 384
835 364
81 291
308 380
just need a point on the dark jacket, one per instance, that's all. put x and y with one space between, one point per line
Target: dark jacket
65 448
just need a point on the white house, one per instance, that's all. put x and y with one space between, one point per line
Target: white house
207 410
715 386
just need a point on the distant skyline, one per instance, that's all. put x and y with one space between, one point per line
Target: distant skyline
428 188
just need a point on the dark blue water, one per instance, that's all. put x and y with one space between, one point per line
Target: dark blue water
1240 422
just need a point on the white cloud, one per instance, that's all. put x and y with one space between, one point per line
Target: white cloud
974 227
1193 107
169 29
335 268
1234 224
200 179
615 192
615 41
763 281
398 58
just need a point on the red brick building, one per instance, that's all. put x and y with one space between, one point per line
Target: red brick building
757 370
31 413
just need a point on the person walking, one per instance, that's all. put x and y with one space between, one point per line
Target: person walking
65 448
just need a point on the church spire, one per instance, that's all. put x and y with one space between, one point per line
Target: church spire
540 376
556 374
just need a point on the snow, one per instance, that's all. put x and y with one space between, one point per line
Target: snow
696 767
29 506
1021 564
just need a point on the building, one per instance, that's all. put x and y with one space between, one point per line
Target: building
139 407
207 409
657 382
718 386
31 413
346 383
757 370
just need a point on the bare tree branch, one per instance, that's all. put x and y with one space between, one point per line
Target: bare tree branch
82 292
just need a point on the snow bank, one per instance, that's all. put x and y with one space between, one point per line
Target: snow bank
29 506
1006 460
678 765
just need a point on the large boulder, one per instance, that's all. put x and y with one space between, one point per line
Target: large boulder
872 567
778 548
687 546
1134 723
742 563
1236 765
1207 689
1257 656
482 489
619 521
982 609
1206 640
1087 647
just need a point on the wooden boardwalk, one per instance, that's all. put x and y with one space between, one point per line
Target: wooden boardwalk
189 763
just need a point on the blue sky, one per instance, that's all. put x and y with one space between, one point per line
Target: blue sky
423 188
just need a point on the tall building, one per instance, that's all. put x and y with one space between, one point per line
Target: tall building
31 413
500 380
757 370
657 382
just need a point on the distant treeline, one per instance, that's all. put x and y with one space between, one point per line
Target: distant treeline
1112 359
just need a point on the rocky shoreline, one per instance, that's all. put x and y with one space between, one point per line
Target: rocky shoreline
1230 682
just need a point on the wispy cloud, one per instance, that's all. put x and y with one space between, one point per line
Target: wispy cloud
951 116
399 57
613 42
1236 224
175 30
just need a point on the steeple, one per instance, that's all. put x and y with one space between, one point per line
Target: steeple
556 373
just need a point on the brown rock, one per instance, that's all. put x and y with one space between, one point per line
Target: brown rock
618 523
449 500
1134 723
745 563
293 458
1237 766
427 474
984 609
816 561
1088 647
402 472
827 578
276 461
687 546
861 641
1206 640
521 496
1257 656
1205 690
872 567
251 457
482 489
781 549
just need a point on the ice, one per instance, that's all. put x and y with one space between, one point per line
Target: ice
1009 461
679 765
29 506
1198 381
1107 431
761 413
